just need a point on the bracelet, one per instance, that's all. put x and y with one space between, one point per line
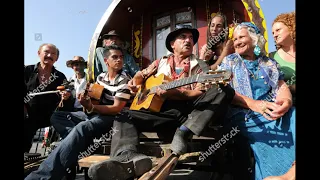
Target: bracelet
89 112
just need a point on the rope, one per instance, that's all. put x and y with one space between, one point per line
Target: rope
60 105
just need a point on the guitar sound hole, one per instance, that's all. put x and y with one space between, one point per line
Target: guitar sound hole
143 96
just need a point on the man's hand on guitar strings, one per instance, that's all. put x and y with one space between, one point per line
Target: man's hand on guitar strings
84 100
133 86
161 93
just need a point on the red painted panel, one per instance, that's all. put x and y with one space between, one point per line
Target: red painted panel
147 40
201 19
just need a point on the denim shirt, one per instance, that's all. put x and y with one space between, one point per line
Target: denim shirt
129 64
263 86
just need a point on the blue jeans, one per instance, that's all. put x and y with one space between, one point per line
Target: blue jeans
63 121
77 144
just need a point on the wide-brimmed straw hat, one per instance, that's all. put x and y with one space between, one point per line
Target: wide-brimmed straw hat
76 59
173 34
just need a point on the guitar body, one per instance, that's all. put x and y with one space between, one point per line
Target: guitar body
150 102
95 91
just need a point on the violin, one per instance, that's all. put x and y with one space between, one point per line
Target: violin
66 85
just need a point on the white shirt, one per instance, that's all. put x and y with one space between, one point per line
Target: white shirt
79 86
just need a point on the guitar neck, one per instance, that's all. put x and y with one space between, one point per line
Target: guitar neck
176 83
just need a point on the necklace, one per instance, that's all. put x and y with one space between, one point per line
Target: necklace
289 54
255 74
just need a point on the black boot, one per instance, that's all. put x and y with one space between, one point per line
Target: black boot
179 144
126 165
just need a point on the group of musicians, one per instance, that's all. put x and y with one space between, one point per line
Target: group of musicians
187 109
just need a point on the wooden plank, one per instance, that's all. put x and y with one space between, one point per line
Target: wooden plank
88 161
153 135
162 169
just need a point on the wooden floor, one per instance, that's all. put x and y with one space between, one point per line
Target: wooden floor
183 174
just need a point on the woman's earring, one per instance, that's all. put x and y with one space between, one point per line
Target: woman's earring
257 50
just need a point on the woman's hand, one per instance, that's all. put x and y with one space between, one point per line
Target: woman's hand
283 107
208 54
266 109
228 47
205 53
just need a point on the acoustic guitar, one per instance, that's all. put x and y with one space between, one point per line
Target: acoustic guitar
146 97
94 92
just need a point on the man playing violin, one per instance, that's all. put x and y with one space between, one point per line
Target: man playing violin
188 108
70 101
98 118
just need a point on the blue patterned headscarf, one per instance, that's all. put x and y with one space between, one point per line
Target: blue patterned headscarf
250 24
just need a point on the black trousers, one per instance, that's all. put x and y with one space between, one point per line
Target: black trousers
31 125
195 115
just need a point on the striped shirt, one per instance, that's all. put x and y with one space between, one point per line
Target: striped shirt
114 89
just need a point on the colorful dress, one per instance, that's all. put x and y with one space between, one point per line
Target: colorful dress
272 142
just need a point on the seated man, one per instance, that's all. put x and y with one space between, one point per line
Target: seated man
187 105
40 77
98 121
129 64
62 124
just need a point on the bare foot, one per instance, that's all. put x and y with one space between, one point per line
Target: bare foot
290 175
274 178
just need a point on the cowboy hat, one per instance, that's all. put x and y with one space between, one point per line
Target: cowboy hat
110 33
76 59
173 34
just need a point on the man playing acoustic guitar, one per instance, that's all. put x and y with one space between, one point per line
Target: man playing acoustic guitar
98 120
186 107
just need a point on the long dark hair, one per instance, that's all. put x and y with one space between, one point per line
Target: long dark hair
225 25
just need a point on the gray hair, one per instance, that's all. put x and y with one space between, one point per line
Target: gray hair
49 44
257 39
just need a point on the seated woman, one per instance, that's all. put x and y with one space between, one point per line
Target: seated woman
262 106
284 34
218 45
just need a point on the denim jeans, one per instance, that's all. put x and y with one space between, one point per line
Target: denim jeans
77 144
195 115
63 121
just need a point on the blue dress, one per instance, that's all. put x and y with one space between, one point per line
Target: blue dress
272 142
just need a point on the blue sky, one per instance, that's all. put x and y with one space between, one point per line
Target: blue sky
70 24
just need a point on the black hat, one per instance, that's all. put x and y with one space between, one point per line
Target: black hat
110 33
173 34
76 59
